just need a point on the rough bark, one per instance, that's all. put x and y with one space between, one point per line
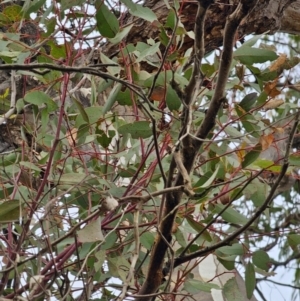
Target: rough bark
268 16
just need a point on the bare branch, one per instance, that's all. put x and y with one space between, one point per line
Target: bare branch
231 27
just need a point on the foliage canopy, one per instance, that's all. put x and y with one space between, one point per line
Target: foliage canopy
124 162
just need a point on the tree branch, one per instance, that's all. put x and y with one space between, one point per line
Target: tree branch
154 276
230 238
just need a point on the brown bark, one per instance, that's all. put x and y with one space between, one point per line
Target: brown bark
268 16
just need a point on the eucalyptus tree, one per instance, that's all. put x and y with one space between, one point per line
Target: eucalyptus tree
148 151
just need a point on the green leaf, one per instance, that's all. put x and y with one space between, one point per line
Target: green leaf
30 165
93 114
294 241
235 249
232 292
103 139
118 266
32 7
13 12
121 34
72 178
100 255
253 40
81 110
171 20
112 70
91 232
199 228
172 99
147 240
257 192
10 211
248 55
138 129
112 98
261 259
250 280
211 178
149 51
248 101
65 4
40 98
107 22
140 11
230 215
124 98
228 264
9 159
195 286
252 155
294 160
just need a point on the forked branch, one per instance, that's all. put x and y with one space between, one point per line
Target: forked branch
189 145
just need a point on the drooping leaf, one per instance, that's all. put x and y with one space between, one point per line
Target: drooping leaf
107 22
172 99
250 279
100 255
294 241
232 292
32 7
103 139
261 259
80 107
93 114
124 98
147 240
112 98
118 266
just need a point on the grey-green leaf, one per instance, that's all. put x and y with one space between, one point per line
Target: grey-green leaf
107 22
138 129
140 11
248 55
250 280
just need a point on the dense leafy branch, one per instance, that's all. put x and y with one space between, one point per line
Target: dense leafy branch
159 150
